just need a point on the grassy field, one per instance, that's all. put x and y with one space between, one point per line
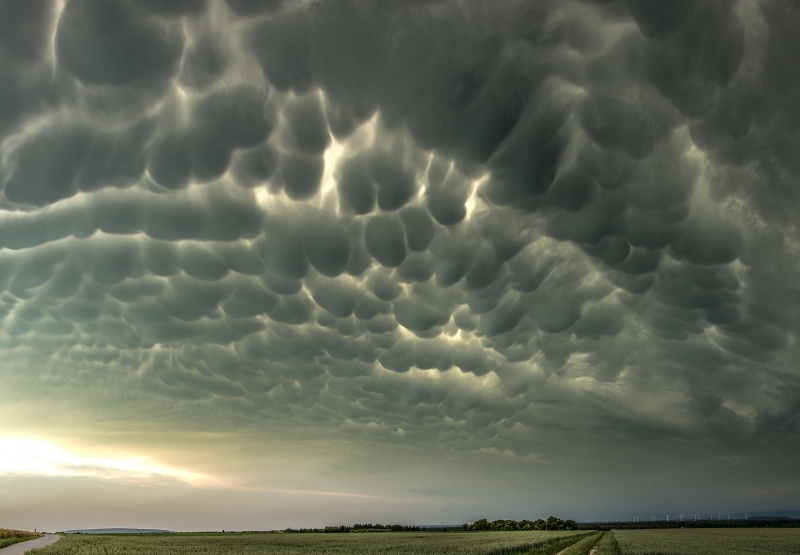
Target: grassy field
403 543
608 545
750 541
584 546
9 537
736 541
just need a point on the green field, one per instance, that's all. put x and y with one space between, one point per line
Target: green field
402 543
710 541
10 537
585 545
742 541
5 542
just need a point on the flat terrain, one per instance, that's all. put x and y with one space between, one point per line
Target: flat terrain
22 547
396 543
10 537
710 541
741 541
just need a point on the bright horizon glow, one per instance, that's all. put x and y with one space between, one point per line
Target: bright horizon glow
33 457
24 457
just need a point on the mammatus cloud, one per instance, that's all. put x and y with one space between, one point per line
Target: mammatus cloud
470 224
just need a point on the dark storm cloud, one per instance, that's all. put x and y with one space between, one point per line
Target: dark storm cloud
432 217
24 31
116 43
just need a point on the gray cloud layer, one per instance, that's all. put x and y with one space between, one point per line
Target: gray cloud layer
460 222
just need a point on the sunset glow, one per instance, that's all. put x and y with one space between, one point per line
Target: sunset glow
31 457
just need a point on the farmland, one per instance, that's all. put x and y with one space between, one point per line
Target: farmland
736 541
584 546
10 537
758 541
430 543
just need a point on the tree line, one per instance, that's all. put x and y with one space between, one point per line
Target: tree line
552 523
356 528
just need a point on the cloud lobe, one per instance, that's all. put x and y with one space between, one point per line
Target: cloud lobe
433 218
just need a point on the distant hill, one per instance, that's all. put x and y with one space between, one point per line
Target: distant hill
776 514
117 531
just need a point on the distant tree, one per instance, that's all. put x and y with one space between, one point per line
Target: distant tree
552 523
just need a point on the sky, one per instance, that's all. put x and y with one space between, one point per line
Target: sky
271 263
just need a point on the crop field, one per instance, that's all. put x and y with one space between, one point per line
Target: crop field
742 541
710 541
584 546
402 543
9 537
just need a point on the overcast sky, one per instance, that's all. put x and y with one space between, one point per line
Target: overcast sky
273 263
